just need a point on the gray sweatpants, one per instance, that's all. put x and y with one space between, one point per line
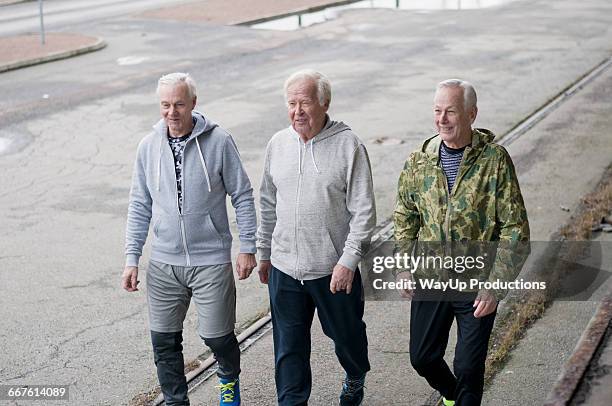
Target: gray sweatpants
170 289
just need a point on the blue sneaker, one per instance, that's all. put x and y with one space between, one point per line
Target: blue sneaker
352 391
230 392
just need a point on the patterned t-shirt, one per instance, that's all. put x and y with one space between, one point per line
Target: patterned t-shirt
177 145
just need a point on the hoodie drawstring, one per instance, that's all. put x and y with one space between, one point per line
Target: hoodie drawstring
299 150
159 164
203 165
312 155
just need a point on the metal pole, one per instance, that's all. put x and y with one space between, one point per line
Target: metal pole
42 25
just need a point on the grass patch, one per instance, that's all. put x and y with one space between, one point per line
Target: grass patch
511 329
596 205
191 365
252 320
145 399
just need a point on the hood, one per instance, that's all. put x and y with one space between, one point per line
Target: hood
480 137
202 125
330 129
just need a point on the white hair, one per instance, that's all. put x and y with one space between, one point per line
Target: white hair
176 78
322 83
469 94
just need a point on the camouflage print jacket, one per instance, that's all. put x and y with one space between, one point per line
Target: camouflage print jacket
485 203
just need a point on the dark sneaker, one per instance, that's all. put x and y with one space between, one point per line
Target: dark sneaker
230 392
352 391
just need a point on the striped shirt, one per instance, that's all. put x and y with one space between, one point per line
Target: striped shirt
450 159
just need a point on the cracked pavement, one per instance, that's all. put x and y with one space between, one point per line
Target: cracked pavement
66 172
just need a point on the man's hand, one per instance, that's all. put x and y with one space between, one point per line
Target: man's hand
485 304
129 279
405 276
244 265
342 279
264 271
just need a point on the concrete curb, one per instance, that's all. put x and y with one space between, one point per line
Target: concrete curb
577 364
53 56
294 12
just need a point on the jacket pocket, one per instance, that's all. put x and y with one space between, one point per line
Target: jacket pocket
202 234
167 234
317 250
282 241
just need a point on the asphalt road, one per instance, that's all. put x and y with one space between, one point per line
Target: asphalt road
70 131
25 17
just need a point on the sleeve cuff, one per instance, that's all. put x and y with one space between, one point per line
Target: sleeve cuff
349 260
264 254
499 294
132 260
247 247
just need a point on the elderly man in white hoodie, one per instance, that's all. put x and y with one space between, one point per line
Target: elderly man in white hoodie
317 217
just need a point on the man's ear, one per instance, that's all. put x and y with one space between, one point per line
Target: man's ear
195 100
473 114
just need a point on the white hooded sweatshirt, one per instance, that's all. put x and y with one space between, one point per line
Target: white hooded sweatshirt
317 202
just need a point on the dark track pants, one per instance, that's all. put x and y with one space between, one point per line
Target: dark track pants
430 323
293 305
168 355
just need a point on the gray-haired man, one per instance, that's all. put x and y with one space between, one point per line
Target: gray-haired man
317 216
459 186
184 170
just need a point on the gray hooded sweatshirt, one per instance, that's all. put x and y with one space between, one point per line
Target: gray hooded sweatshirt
212 169
317 202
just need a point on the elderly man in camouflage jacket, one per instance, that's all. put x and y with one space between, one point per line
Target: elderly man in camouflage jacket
459 186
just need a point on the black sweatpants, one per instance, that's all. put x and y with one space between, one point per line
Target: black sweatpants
168 355
430 323
293 305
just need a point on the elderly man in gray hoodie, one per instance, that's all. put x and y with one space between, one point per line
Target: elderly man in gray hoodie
184 171
317 217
